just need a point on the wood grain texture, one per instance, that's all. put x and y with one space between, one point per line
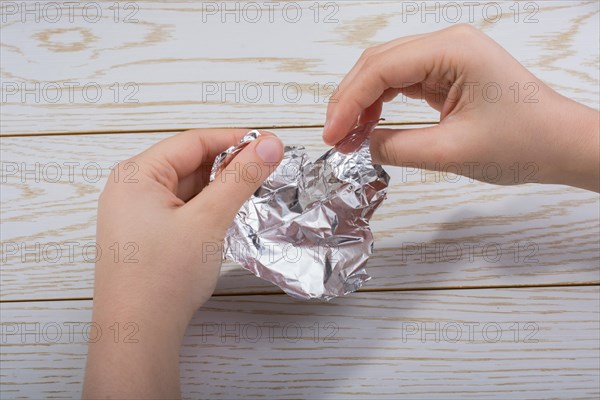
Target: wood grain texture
521 344
188 68
434 230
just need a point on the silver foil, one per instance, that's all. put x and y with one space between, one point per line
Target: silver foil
306 229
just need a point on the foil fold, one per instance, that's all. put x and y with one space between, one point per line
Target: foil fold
306 228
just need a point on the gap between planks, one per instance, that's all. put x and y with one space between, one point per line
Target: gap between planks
378 290
173 130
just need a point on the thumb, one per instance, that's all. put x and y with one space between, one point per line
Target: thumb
418 147
234 184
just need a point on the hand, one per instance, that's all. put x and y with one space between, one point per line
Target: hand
524 125
168 226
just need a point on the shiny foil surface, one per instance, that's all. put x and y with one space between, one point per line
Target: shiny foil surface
306 229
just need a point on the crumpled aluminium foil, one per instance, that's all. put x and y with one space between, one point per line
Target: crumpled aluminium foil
306 229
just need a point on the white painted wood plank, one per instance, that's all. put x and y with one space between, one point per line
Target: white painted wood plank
177 54
514 343
451 233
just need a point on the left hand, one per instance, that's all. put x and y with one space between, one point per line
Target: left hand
160 231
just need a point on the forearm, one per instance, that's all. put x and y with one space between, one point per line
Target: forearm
135 356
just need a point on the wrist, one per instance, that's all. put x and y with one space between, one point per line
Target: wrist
134 292
144 309
158 326
574 132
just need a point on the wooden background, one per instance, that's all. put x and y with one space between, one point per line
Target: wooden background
155 69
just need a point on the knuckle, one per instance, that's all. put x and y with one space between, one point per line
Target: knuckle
366 53
117 174
464 30
369 53
371 64
161 172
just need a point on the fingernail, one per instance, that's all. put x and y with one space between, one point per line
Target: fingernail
269 149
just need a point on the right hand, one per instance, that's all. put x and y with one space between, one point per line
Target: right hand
458 71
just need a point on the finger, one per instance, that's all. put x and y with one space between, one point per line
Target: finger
193 184
390 94
419 147
172 160
186 151
372 51
237 181
416 91
372 113
377 74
